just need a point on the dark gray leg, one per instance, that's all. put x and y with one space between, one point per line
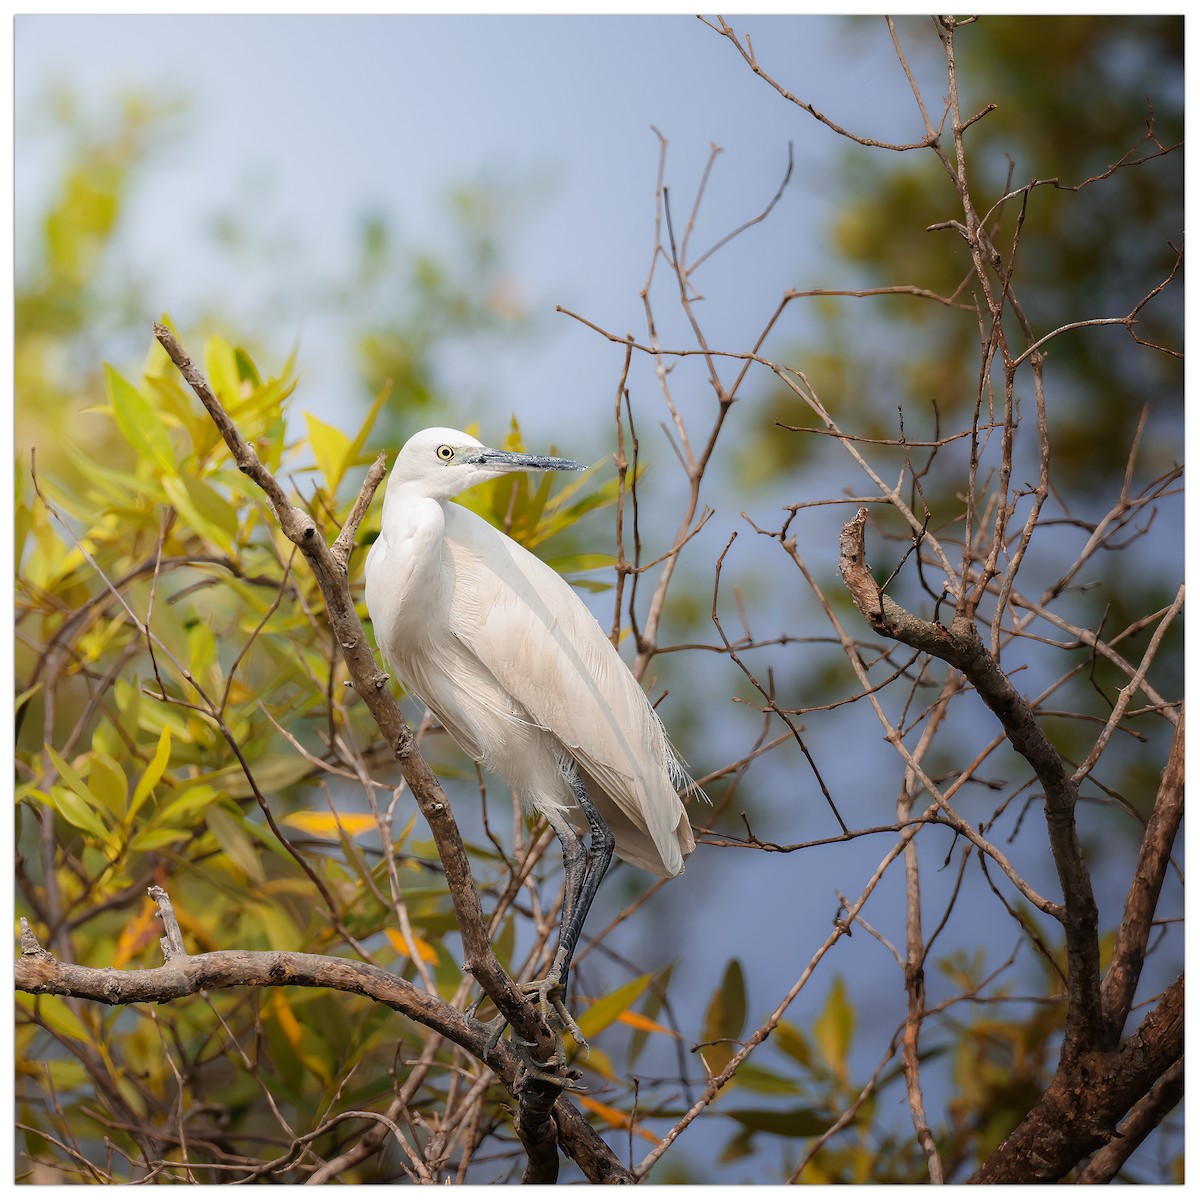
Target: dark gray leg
584 869
599 856
575 860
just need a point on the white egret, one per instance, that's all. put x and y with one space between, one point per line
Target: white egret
521 675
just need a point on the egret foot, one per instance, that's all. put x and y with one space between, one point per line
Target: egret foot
548 995
554 1070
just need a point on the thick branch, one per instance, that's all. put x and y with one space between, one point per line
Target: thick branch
1080 1110
1143 1119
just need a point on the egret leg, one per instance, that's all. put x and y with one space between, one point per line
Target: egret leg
599 856
577 867
583 869
548 992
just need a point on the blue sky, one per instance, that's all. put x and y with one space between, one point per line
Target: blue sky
302 123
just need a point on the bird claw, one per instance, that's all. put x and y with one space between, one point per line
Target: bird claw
554 1070
547 996
549 999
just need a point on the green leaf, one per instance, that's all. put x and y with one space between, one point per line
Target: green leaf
725 1018
272 773
118 486
566 564
74 810
81 791
607 1009
153 773
154 839
55 1014
331 448
204 510
245 367
190 804
237 846
753 1078
106 778
138 422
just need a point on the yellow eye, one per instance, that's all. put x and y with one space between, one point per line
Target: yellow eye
445 453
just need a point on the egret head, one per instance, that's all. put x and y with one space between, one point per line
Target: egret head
443 462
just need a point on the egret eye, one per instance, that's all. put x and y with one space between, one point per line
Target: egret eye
445 453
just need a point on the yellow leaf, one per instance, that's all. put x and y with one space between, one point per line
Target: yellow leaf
220 364
609 1008
325 824
368 424
331 448
154 772
427 952
725 1018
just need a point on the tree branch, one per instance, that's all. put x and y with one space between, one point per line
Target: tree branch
1144 1117
1079 1112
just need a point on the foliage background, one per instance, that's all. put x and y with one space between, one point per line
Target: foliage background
432 252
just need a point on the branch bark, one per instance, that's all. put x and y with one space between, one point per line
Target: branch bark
1079 1112
1133 934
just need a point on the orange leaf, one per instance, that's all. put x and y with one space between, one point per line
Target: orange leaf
614 1116
644 1023
136 937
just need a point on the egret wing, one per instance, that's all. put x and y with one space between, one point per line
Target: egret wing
537 639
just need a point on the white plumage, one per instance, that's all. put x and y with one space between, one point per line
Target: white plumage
510 660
